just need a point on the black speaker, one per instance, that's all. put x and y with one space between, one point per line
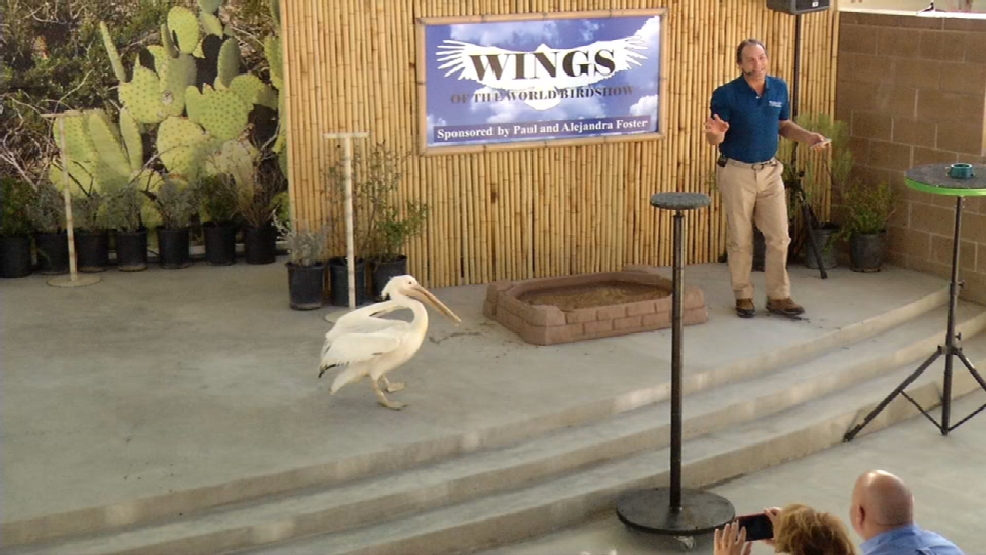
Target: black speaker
798 6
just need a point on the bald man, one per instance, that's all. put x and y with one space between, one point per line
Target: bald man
882 513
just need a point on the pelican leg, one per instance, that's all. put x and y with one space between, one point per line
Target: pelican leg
391 387
382 399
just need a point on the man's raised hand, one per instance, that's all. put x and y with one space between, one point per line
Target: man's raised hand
716 125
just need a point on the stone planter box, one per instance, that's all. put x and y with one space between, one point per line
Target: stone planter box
550 325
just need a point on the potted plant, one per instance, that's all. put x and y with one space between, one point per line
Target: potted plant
92 239
123 216
47 214
258 202
830 168
220 204
867 209
176 204
384 225
15 228
306 263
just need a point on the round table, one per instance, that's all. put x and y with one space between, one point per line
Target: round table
934 179
673 511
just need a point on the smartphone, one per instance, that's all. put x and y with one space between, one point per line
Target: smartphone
758 527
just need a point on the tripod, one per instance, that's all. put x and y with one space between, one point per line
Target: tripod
811 223
950 349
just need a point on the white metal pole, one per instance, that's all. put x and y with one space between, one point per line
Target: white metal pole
347 173
69 222
74 280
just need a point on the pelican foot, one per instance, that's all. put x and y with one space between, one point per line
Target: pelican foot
382 399
393 405
392 387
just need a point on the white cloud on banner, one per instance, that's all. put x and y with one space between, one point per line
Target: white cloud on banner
434 122
504 33
646 106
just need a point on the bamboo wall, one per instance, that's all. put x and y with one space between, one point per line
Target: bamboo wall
545 211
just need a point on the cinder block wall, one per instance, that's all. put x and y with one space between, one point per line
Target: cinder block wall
913 89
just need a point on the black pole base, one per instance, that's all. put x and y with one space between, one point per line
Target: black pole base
650 511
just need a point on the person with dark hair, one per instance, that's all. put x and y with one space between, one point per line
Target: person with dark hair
748 114
882 513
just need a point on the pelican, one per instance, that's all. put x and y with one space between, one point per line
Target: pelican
367 345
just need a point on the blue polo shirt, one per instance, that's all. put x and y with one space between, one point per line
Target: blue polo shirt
753 120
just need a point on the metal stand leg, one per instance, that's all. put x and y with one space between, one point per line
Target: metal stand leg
672 511
949 349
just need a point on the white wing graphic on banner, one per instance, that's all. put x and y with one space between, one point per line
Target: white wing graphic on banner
537 77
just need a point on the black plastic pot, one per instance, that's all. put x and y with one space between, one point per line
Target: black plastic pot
92 251
825 239
339 281
52 252
381 272
131 251
15 256
220 243
173 247
866 252
306 286
260 244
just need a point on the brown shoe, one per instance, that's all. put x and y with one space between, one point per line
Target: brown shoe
745 308
785 307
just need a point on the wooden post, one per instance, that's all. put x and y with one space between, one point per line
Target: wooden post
73 280
347 173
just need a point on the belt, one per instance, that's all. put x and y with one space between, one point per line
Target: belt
755 166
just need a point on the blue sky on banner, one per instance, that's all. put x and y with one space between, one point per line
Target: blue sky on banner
527 36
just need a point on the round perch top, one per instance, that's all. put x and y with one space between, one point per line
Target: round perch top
934 179
680 201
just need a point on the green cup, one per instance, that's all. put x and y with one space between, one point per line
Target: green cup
960 171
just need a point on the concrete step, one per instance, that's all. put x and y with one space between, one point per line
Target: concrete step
407 456
565 500
459 480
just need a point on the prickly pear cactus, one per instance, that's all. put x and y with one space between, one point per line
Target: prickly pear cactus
177 74
113 53
168 41
211 6
142 96
222 113
132 140
239 159
185 25
229 61
211 24
184 147
272 49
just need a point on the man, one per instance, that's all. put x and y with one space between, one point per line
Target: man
882 513
748 114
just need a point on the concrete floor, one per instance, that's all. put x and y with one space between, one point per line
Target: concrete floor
166 381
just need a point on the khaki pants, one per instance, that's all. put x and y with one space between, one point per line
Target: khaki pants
755 193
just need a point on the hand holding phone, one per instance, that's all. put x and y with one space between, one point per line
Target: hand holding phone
758 526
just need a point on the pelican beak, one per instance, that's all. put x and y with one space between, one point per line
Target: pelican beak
426 296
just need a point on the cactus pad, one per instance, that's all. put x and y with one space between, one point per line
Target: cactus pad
178 74
78 150
239 159
222 113
113 53
132 140
272 49
249 87
168 41
211 24
185 25
112 168
184 147
142 96
211 6
229 61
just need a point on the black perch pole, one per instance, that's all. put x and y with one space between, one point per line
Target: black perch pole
672 511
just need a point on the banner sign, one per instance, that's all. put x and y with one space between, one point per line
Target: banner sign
514 80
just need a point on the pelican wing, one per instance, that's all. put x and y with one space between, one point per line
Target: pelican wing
357 347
